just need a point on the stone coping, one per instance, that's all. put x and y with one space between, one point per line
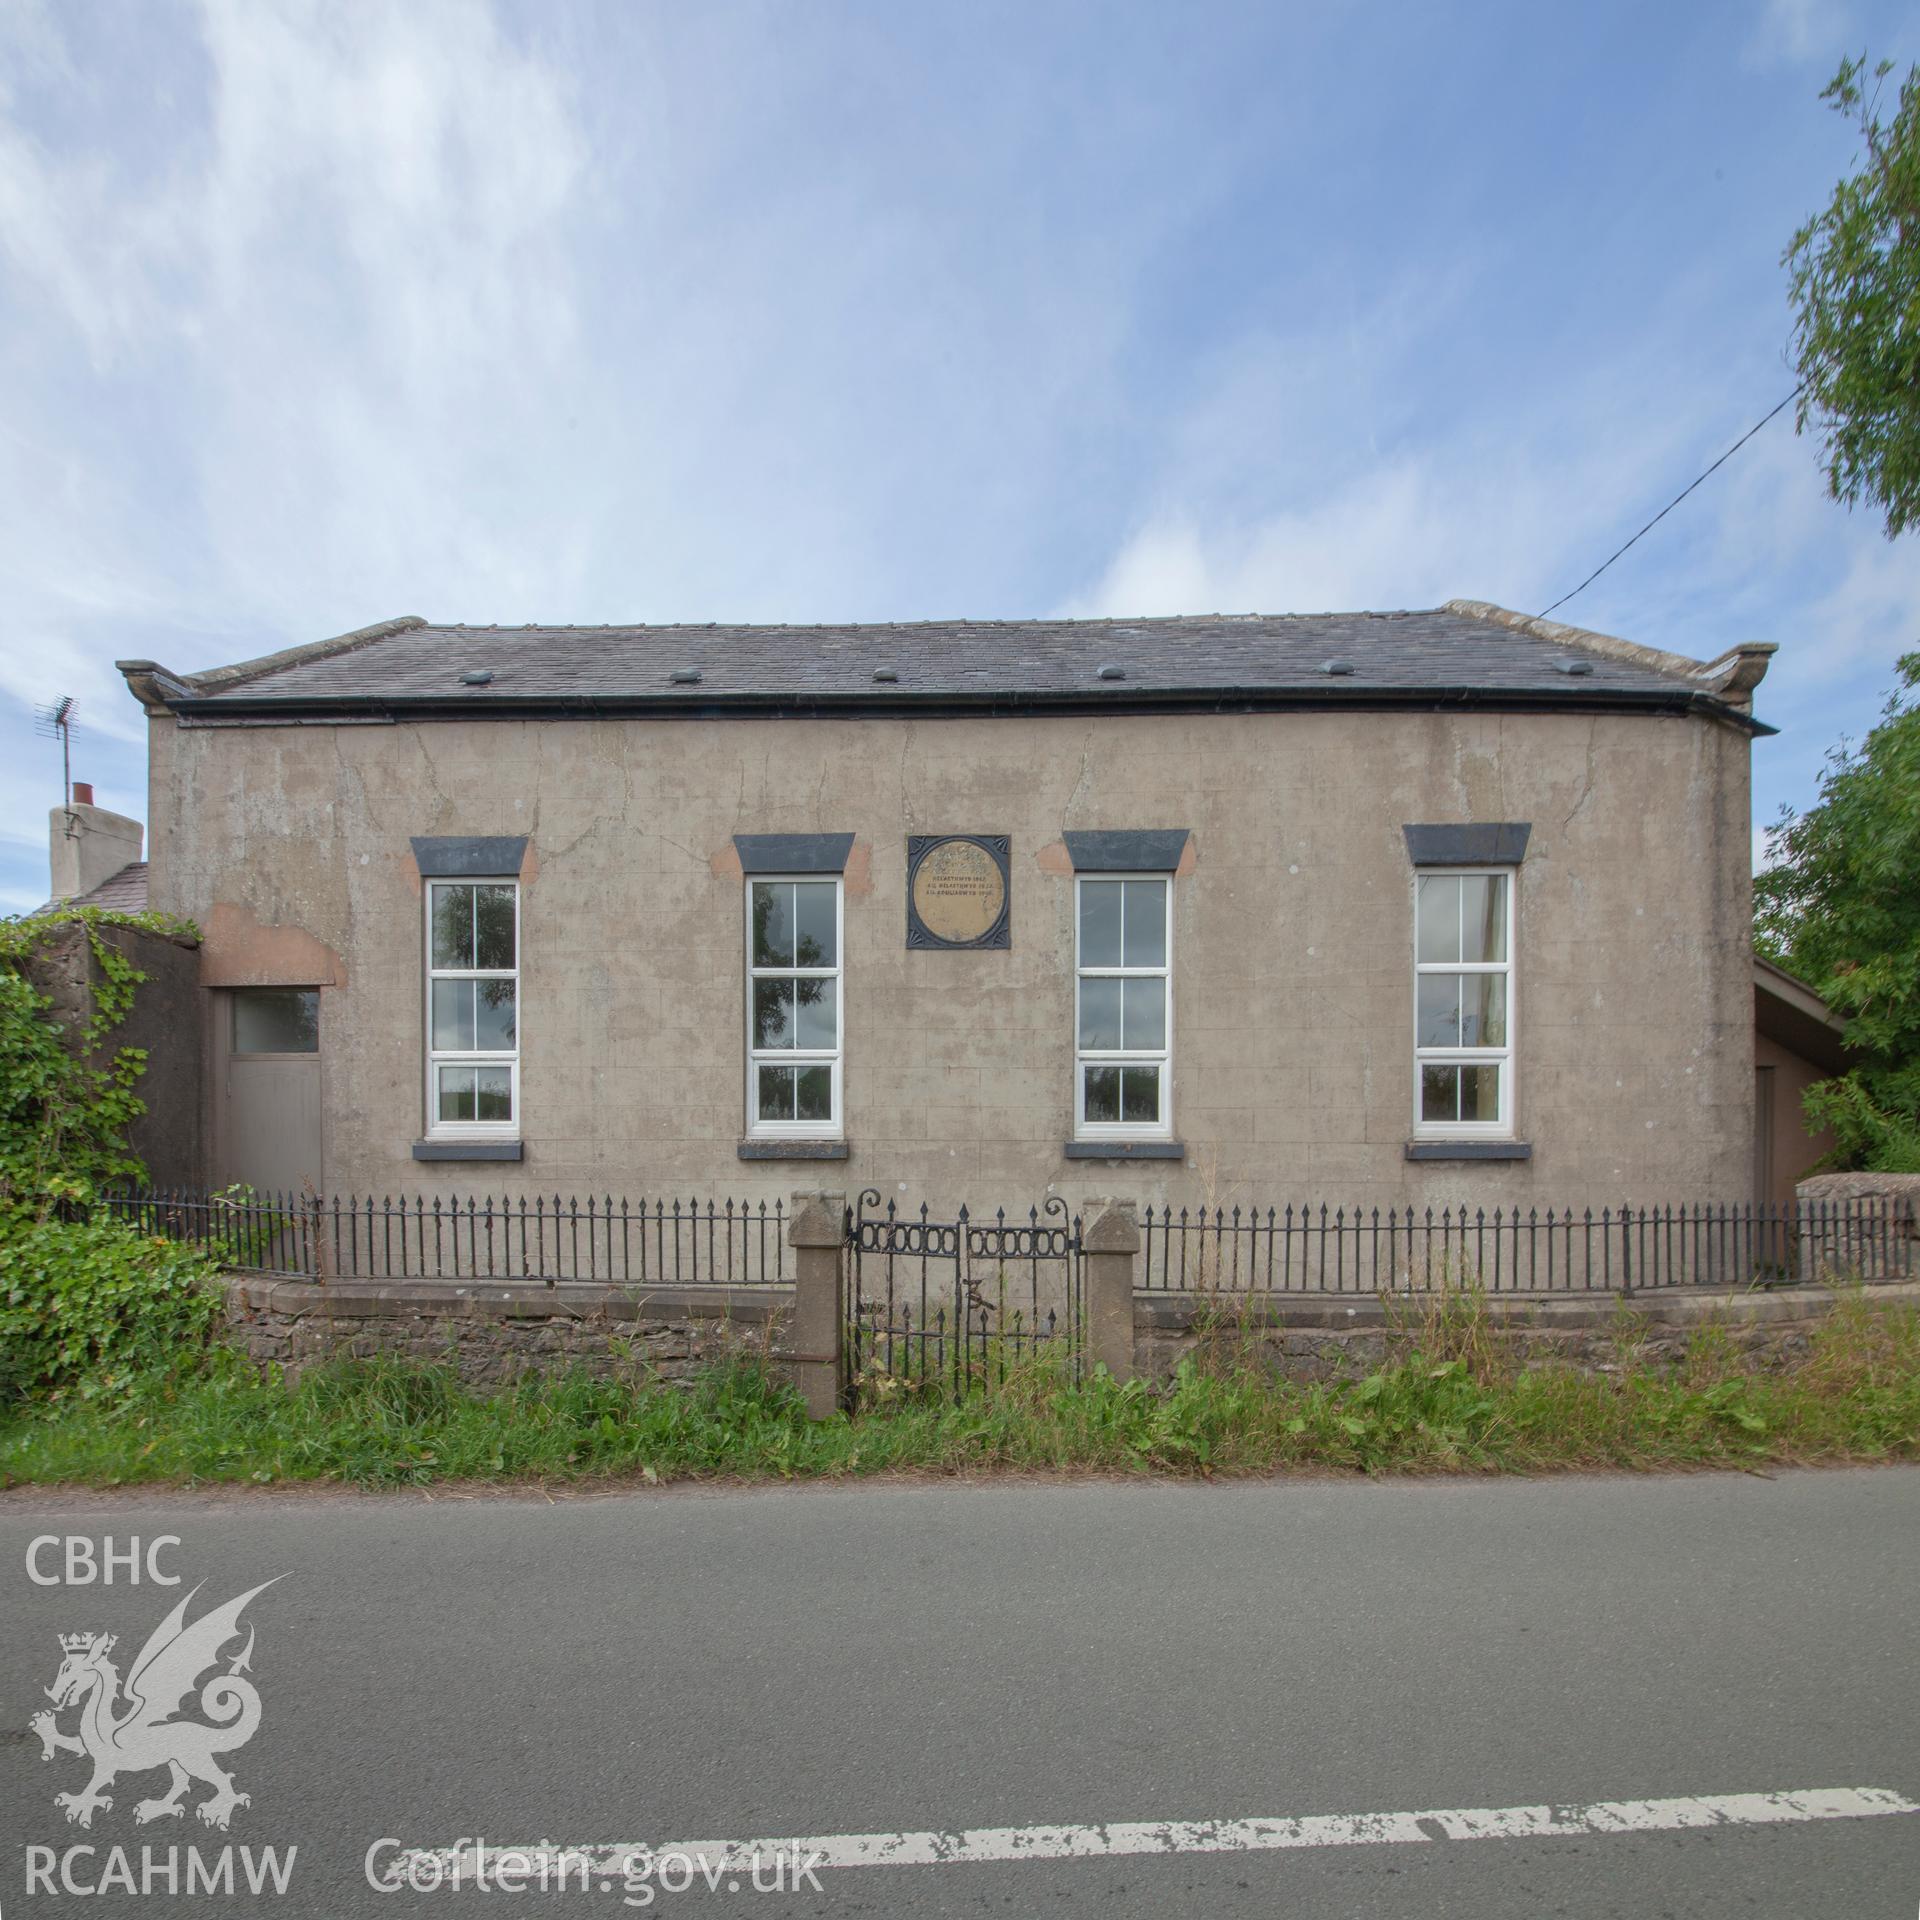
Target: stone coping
505 1300
1174 1312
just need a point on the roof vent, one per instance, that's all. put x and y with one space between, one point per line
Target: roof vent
1340 669
1113 671
479 677
1579 669
885 673
685 676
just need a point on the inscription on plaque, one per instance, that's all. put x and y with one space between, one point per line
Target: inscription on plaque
957 893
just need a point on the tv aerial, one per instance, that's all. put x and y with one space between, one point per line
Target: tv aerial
55 721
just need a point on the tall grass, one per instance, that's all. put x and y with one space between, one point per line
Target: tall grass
1453 1401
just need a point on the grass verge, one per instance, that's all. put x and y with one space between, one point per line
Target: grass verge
1451 1405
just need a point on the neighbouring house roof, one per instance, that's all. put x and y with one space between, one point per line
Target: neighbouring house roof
1464 653
123 892
1788 1011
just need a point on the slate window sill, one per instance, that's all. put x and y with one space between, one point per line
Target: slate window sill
794 1150
1469 1150
468 1150
1125 1150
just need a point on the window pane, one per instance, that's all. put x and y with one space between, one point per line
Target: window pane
773 1013
1103 1093
495 1092
1439 1016
1483 1021
453 926
453 1016
1140 1094
456 1093
1483 916
493 927
1146 1007
494 1026
815 1094
817 1004
1146 944
815 943
1439 1093
1100 923
1439 917
773 923
777 1093
1480 1093
1100 1014
276 1020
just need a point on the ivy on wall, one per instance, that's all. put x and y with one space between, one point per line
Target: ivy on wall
65 1110
87 1305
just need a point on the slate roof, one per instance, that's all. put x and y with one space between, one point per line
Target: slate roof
123 892
1462 651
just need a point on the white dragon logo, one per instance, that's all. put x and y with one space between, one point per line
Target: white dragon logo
142 1734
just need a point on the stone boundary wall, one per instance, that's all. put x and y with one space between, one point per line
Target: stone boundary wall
1320 1339
495 1333
1859 1225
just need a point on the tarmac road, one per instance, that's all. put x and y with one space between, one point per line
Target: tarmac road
1016 1697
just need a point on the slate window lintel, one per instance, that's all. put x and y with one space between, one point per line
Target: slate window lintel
1486 843
1112 850
793 852
469 856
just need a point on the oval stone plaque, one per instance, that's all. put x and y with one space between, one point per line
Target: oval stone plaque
958 895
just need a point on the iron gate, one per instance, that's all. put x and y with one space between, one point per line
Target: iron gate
955 1303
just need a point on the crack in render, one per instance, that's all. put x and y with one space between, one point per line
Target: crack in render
1086 774
350 776
433 772
1586 790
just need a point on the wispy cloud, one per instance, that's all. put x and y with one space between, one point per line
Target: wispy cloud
361 273
288 335
1798 30
323 313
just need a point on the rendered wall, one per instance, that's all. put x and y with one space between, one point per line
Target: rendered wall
1293 999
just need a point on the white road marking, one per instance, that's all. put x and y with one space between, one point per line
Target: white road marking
970 1846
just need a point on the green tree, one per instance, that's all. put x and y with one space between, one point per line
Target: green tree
1841 909
1855 291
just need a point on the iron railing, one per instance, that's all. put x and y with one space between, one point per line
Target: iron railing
1308 1249
546 1238
923 1277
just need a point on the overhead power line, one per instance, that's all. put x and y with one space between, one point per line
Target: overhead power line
1671 504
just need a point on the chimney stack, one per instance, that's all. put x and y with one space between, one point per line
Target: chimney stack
87 844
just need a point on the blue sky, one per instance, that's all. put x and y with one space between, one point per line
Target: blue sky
314 315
